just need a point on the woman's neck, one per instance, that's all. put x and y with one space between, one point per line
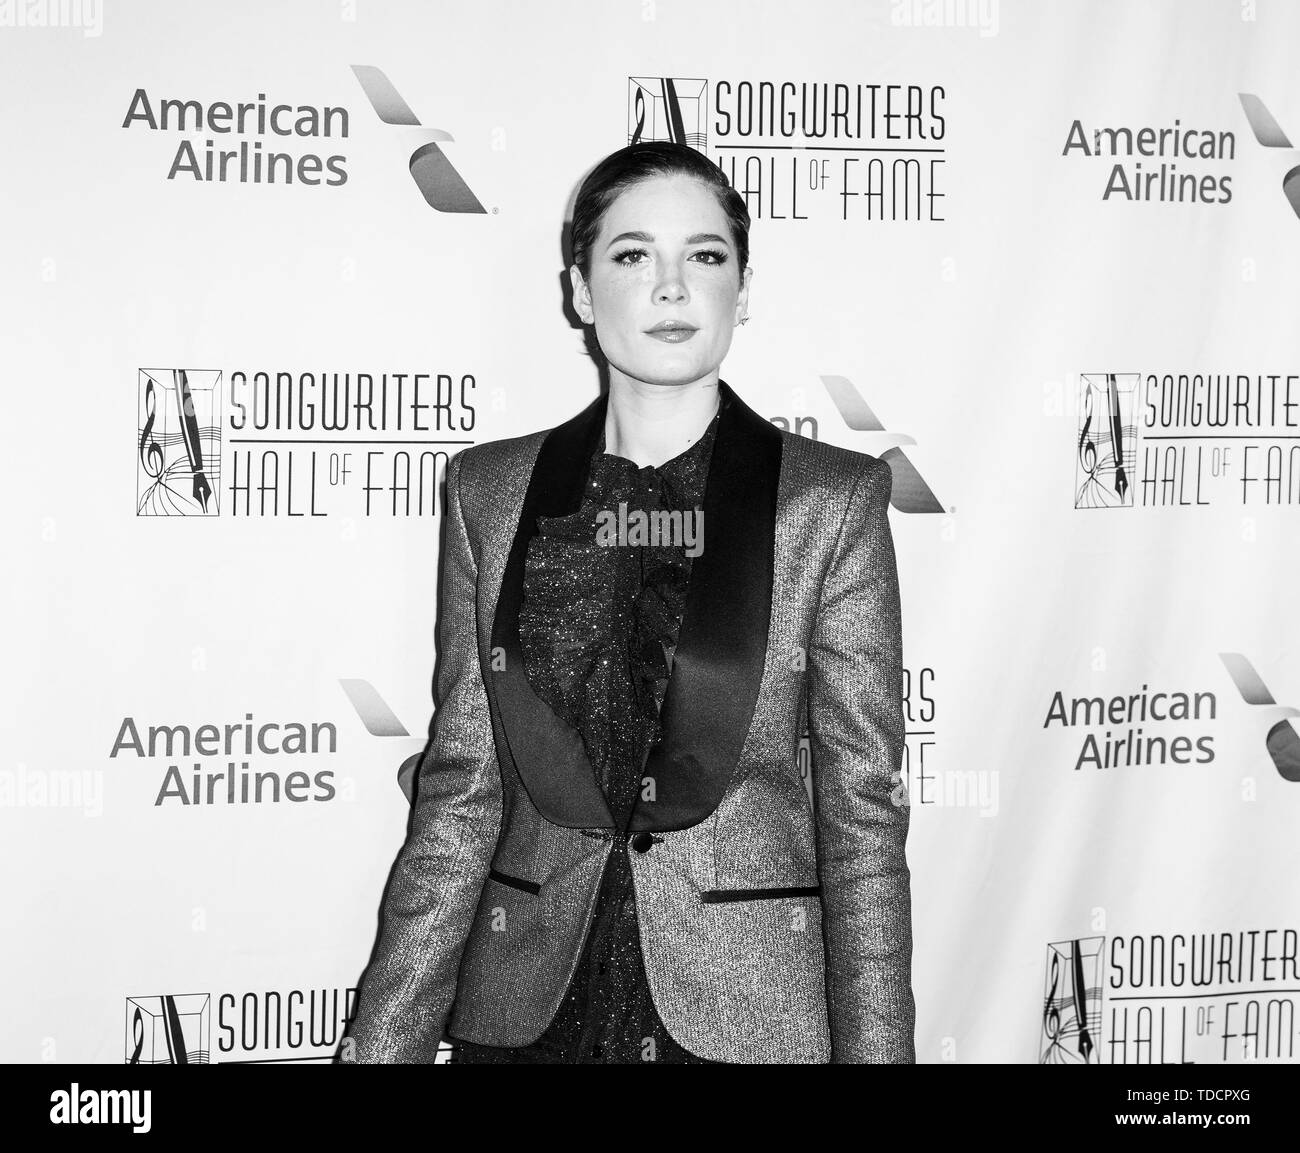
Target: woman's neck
649 424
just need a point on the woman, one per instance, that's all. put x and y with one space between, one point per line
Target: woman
612 855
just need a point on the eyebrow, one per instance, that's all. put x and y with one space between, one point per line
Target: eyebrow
698 238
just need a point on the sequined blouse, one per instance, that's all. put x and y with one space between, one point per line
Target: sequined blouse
598 625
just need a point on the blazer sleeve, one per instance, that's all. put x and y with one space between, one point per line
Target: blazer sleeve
857 732
433 893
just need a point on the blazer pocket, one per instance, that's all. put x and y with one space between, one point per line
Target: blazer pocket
726 896
514 882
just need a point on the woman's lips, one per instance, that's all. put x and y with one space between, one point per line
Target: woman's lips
673 335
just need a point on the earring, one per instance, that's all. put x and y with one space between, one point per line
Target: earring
744 320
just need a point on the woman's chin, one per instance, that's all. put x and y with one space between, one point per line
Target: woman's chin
668 370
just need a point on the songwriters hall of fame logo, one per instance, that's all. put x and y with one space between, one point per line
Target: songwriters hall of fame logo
794 150
1107 442
667 108
1071 1032
168 1030
178 442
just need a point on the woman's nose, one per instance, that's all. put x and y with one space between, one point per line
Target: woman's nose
671 288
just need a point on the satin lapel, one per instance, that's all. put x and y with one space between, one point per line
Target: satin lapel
547 751
722 644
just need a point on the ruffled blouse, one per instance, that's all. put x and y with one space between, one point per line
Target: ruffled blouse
599 619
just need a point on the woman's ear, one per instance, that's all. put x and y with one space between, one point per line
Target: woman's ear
581 295
742 298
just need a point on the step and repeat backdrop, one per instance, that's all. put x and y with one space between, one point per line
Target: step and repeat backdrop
268 267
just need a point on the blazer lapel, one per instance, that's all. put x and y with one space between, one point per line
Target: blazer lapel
547 751
721 647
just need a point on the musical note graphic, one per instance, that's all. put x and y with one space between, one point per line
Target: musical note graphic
151 454
168 1030
1106 449
137 1035
638 104
179 444
1072 1003
667 108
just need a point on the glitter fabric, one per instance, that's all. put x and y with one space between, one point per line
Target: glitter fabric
598 626
740 969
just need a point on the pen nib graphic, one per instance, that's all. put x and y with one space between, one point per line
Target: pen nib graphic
1116 435
193 442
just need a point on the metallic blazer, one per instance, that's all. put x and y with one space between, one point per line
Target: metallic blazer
773 929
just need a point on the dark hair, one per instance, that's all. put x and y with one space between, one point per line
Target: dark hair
628 166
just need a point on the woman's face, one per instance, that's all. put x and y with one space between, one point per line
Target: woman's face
664 253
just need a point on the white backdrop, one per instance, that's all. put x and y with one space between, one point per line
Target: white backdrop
998 333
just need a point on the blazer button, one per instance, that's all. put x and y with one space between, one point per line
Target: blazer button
642 842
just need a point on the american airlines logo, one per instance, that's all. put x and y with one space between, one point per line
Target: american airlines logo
910 493
435 176
380 721
1269 133
1282 742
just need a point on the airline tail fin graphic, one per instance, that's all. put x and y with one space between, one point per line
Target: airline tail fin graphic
435 176
1269 133
910 494
1282 741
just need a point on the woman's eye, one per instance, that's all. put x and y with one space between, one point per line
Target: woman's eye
632 256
